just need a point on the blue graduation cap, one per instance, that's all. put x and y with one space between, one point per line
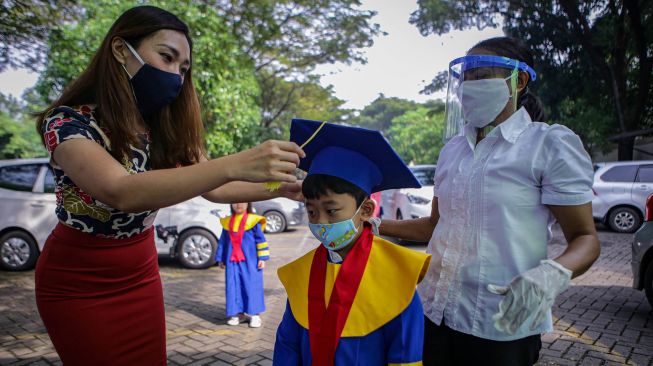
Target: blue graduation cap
360 156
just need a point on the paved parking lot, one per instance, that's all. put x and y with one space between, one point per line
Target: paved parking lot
600 320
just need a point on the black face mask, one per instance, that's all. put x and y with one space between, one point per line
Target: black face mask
153 88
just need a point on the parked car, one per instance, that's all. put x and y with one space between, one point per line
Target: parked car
189 231
620 191
642 254
410 203
27 204
280 213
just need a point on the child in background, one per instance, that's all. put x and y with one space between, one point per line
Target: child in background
351 301
242 251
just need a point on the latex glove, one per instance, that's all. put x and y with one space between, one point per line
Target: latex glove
531 292
376 222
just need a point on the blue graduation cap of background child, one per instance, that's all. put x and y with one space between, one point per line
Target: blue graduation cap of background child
360 156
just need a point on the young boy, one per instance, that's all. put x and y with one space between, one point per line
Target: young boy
351 301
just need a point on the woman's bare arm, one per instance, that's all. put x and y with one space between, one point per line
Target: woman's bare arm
583 246
416 229
97 173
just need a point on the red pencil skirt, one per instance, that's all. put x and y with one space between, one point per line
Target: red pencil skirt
101 299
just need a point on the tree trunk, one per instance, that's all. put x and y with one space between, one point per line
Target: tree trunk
625 150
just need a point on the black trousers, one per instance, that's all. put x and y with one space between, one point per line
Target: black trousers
444 346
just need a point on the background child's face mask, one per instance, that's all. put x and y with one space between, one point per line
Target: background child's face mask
337 235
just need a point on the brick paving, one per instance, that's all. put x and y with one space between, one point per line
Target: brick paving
600 320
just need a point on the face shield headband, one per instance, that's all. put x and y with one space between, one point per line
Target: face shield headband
460 67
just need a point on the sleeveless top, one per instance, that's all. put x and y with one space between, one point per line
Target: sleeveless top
76 208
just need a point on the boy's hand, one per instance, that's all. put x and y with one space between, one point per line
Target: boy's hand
221 265
261 264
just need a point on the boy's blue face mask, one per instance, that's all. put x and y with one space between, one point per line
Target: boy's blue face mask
337 235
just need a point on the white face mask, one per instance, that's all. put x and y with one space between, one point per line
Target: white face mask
483 100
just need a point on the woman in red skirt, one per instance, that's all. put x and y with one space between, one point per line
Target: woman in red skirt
125 139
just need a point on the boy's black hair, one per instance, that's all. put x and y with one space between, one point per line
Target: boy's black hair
316 186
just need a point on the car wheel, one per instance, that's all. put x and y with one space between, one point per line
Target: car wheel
196 249
648 282
624 220
399 215
18 251
275 222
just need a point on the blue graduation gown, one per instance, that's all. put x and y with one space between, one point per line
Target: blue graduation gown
386 323
244 280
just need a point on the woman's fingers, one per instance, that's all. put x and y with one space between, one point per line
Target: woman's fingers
291 147
283 177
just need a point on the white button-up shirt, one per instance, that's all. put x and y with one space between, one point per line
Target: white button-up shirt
494 223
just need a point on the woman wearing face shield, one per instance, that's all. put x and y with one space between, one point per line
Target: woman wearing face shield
125 139
502 179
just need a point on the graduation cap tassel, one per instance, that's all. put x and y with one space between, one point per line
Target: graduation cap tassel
273 186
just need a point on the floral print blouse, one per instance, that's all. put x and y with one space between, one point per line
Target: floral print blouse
77 209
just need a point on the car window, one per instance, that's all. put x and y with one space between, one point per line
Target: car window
425 176
48 183
645 174
624 173
19 177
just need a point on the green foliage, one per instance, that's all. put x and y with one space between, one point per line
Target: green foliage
417 135
379 114
308 100
224 77
287 39
24 28
414 129
252 60
18 137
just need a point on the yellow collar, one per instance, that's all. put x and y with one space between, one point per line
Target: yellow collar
252 220
386 289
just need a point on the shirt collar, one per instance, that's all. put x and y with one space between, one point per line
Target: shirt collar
510 129
334 257
515 125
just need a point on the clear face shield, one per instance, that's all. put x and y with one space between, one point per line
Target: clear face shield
475 79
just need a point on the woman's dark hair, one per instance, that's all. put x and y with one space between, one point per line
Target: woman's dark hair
177 132
249 208
316 186
517 50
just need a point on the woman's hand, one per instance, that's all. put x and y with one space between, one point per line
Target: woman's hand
292 191
261 264
267 162
532 292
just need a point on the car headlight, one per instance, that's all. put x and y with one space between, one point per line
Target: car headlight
417 199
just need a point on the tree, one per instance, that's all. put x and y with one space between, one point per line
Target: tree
417 135
379 114
287 39
594 58
308 100
24 28
18 139
224 77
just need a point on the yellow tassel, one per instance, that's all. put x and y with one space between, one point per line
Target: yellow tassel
273 186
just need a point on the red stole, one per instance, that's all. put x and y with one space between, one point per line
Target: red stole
325 325
237 254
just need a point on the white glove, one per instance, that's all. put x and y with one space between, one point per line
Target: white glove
531 292
376 222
